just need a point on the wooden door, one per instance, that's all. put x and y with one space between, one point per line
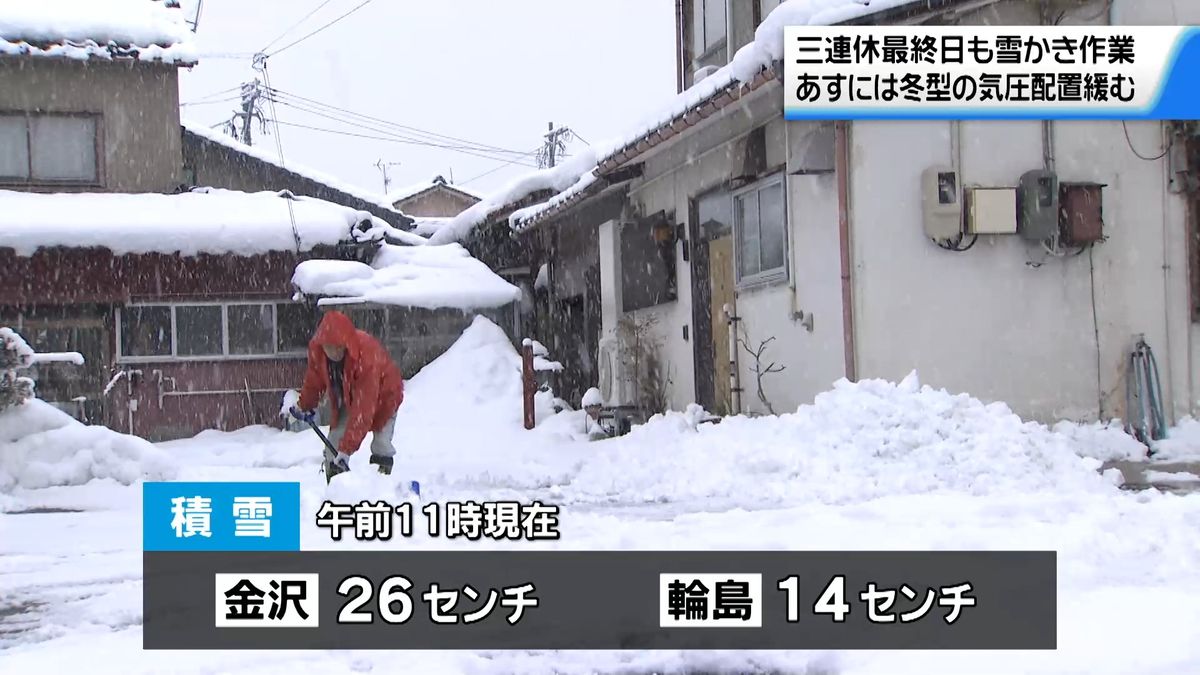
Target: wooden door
721 285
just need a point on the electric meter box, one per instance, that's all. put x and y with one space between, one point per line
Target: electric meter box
941 201
992 210
1038 200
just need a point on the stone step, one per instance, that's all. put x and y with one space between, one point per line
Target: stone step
1176 477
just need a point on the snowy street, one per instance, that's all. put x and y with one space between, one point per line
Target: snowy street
870 466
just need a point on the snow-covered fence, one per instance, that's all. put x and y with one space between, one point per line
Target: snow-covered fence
16 354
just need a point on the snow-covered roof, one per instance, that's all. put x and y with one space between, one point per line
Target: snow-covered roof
228 141
427 225
142 30
556 178
431 277
204 220
751 66
410 191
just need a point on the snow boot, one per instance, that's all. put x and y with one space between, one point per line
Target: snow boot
384 464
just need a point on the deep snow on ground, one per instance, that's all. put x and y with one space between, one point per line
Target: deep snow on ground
872 465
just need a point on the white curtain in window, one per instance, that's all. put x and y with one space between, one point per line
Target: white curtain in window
64 148
14 147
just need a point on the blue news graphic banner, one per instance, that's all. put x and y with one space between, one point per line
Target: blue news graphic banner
992 72
220 516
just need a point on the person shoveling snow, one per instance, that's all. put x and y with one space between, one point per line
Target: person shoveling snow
365 389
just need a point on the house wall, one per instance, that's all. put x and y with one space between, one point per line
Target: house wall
139 104
435 203
210 164
1002 321
672 178
32 294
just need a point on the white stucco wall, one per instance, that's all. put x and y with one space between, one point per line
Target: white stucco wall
984 321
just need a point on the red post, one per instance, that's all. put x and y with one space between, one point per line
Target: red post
528 381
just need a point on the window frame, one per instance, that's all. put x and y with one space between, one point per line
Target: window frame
699 29
225 355
31 180
775 275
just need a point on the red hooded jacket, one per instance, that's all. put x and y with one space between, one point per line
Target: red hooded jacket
371 380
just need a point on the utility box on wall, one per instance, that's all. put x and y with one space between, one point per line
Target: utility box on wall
1037 201
992 211
941 203
1082 213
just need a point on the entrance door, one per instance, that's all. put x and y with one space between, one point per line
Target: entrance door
721 286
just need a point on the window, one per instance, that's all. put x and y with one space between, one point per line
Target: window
297 323
708 24
198 330
146 331
760 227
647 263
765 7
207 331
251 329
38 148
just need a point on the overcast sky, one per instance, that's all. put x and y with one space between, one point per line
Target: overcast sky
485 71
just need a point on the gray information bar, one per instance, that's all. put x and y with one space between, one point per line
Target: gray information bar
600 600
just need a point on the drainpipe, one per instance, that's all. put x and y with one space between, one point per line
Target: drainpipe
841 130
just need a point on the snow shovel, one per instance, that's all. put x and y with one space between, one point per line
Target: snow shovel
330 451
331 454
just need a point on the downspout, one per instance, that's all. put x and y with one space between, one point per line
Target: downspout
841 130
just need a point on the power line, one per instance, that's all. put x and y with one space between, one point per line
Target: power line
388 138
213 95
416 130
223 100
293 26
492 171
392 134
279 148
293 44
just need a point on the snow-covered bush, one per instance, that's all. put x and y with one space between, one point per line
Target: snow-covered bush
14 353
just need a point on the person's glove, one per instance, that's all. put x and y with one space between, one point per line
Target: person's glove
308 416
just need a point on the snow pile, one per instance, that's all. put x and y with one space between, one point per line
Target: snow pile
857 442
41 446
427 226
1104 441
83 29
556 178
431 277
1182 443
201 221
219 138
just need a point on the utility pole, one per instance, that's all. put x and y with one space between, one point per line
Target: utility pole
555 145
383 168
251 110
